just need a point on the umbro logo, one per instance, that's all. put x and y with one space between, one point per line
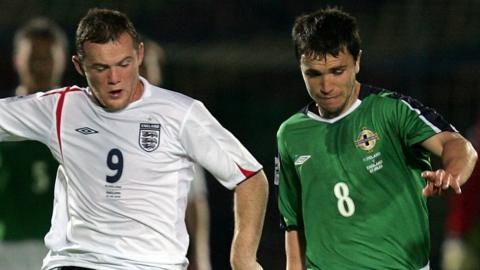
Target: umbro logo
86 130
302 159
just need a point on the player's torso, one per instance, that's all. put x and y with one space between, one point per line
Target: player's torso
128 173
124 147
355 183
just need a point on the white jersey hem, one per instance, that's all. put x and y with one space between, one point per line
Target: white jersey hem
426 267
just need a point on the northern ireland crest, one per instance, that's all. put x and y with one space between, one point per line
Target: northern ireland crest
149 136
366 140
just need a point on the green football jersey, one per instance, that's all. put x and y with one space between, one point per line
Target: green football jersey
353 183
27 175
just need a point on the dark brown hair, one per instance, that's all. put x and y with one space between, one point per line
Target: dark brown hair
103 26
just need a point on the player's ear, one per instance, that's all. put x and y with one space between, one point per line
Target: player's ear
140 53
78 64
357 63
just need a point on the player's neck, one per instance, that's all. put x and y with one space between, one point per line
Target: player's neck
138 92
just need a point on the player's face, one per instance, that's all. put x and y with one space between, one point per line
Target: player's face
111 70
331 82
40 64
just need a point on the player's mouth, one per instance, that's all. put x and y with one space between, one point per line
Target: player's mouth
115 94
329 99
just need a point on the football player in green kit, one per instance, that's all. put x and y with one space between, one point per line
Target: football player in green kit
354 168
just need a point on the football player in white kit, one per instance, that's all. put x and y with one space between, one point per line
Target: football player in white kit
126 150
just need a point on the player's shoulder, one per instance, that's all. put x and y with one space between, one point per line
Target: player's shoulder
381 94
295 121
62 91
377 96
46 97
384 101
372 92
169 97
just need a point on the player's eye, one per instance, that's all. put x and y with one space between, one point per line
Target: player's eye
125 63
99 68
338 72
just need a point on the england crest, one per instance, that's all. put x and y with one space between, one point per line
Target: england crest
149 136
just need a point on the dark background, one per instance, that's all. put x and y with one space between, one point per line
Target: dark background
237 57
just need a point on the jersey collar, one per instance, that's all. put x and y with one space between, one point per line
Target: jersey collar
317 117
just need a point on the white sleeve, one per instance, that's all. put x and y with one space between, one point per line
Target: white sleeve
27 117
215 148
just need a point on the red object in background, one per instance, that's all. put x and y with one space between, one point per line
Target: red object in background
464 209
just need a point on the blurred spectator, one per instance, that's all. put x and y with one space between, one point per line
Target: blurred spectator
27 169
461 247
197 214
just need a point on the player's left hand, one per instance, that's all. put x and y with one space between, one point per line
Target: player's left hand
440 180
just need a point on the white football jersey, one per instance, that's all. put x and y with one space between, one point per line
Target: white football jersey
122 185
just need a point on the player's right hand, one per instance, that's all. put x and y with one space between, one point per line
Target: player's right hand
440 180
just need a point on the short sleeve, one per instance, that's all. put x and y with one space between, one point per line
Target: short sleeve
27 117
417 122
215 148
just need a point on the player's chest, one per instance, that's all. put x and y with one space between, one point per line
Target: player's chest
358 145
121 155
140 133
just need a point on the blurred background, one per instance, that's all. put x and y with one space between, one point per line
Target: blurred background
237 57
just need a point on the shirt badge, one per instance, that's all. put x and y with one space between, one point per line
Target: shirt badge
366 140
149 136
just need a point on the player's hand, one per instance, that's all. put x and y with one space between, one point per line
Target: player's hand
440 180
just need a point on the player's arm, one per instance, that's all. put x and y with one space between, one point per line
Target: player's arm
213 147
249 206
458 161
295 249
